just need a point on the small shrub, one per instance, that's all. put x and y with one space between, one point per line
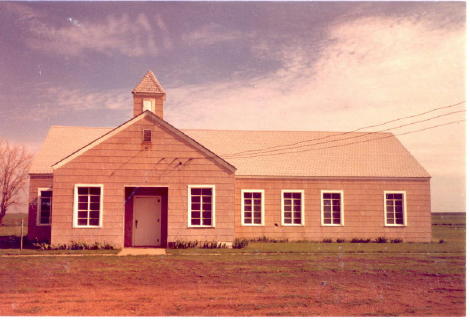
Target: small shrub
213 244
182 244
360 240
381 240
74 245
327 240
340 240
42 245
396 241
240 243
265 239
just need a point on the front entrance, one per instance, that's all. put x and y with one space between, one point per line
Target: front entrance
147 221
146 217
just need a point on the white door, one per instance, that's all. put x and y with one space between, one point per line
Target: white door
147 221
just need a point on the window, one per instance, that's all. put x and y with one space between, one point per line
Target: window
88 205
292 207
148 104
147 135
252 207
201 206
332 212
44 207
395 208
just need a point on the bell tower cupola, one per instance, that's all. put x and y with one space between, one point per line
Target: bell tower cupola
149 95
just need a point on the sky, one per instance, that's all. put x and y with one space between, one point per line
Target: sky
320 66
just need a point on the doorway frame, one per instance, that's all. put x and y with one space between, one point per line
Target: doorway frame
147 190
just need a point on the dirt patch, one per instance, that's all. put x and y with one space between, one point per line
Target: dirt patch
257 286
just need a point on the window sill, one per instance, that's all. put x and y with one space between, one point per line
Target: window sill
92 227
201 227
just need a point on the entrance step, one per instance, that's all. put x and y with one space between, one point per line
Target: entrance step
142 251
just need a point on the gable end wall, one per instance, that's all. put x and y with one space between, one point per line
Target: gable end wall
123 160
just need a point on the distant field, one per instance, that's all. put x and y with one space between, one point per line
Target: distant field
449 218
11 225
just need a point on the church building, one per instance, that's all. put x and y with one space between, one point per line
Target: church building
147 183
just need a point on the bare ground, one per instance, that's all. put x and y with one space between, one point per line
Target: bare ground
254 285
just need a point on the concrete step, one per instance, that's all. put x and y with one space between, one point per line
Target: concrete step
141 251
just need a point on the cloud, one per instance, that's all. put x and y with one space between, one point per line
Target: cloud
367 71
60 100
211 34
114 34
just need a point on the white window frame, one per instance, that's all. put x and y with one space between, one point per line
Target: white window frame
75 204
38 210
302 217
206 186
341 192
405 223
242 206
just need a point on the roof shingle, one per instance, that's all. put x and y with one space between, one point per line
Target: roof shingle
380 155
149 85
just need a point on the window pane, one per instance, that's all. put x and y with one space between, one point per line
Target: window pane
195 221
83 198
95 198
207 192
297 221
82 214
257 195
196 191
94 222
82 222
207 222
82 191
94 214
46 193
94 206
195 214
247 195
95 191
82 206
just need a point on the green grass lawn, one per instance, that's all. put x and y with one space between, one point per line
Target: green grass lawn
449 227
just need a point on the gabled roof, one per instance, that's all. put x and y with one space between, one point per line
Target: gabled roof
323 154
149 85
158 121
380 155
